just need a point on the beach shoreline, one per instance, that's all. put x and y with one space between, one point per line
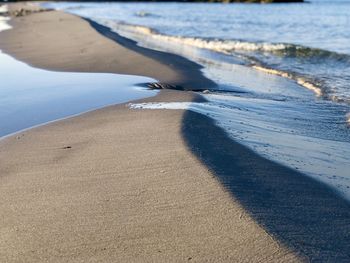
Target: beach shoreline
118 184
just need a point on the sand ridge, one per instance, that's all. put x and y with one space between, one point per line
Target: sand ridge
115 184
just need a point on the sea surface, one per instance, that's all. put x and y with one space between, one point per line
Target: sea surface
309 42
283 72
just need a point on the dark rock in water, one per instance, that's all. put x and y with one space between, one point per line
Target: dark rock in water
67 147
24 12
158 85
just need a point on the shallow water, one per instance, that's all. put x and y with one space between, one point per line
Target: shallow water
309 41
280 120
273 115
31 96
273 64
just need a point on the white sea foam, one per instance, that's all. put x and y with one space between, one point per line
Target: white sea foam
3 20
3 24
162 105
241 119
197 31
299 80
3 9
222 46
219 45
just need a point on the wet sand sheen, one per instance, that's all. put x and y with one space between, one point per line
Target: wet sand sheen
30 96
121 184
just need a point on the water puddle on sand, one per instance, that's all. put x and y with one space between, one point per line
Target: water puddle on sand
31 96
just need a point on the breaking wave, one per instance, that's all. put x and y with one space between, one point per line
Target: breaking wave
3 20
228 46
259 55
300 80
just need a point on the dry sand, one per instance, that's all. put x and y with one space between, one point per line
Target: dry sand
72 45
122 185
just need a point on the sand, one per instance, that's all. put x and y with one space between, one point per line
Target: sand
123 185
68 48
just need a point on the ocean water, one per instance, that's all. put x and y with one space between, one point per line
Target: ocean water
282 70
308 42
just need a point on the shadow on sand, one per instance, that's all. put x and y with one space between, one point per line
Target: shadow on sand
301 213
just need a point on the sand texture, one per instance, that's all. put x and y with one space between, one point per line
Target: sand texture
123 185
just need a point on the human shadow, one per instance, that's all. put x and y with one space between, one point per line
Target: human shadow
298 211
303 214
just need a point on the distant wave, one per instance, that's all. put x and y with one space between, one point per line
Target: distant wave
227 46
249 49
213 44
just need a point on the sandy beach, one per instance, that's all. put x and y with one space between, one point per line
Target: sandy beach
125 185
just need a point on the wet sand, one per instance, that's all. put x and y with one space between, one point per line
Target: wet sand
127 185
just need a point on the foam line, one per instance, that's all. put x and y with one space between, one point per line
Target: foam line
3 20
